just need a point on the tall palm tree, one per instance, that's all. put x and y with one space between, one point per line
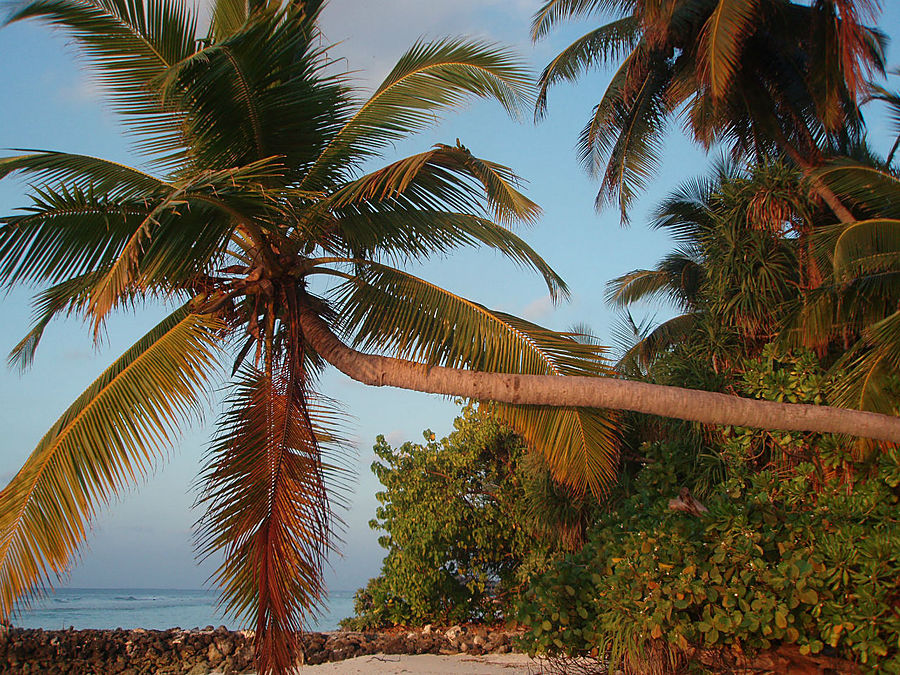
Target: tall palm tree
255 188
758 75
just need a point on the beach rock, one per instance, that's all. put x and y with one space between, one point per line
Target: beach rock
195 652
454 632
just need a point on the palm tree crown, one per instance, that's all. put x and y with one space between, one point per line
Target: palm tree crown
757 75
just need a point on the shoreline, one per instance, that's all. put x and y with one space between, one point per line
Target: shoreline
200 652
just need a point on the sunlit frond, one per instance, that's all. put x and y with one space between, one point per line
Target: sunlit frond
429 79
400 235
105 442
721 40
114 181
553 12
129 44
627 130
267 508
867 247
597 47
870 370
447 178
390 311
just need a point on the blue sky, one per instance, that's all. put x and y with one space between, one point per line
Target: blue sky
49 102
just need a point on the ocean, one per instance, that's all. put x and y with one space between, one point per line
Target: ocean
154 608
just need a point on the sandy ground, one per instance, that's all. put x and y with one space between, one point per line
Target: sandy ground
430 664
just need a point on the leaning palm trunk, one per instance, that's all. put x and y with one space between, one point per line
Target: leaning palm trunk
593 392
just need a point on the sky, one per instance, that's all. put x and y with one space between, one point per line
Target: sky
144 538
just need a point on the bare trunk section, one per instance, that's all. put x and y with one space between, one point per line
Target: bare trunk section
832 200
594 392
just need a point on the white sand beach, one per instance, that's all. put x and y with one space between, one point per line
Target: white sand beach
430 664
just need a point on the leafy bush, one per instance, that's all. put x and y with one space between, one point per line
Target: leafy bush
801 545
448 514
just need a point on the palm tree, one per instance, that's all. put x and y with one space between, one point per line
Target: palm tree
857 305
255 188
757 75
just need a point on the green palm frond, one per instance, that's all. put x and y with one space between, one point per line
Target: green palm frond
387 310
113 180
867 247
892 100
648 344
68 296
267 509
624 136
553 12
404 235
677 278
65 233
869 372
263 91
129 44
597 47
722 38
873 189
104 442
429 79
447 177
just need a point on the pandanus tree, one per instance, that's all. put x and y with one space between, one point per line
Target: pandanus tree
734 273
257 217
756 75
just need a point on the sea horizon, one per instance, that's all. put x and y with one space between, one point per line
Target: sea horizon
109 608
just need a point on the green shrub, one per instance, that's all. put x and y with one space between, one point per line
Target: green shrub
448 516
801 545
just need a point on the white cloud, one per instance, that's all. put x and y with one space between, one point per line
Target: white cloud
538 309
396 438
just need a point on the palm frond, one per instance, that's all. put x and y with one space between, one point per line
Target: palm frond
404 235
104 442
429 79
267 510
67 296
677 278
446 177
871 188
114 181
866 247
869 371
721 42
263 91
624 135
597 47
387 310
553 12
129 44
65 233
651 343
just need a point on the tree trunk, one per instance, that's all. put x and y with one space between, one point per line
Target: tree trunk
826 193
594 392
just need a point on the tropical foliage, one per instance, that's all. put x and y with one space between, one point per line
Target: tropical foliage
466 521
447 513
